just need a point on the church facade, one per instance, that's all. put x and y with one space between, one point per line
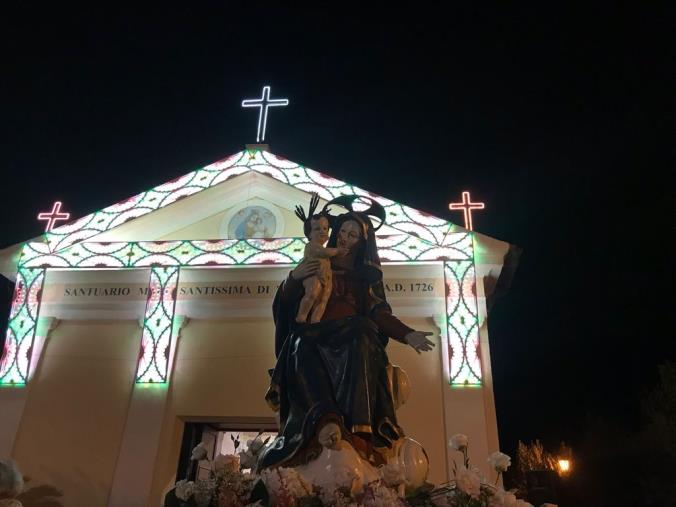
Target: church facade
136 324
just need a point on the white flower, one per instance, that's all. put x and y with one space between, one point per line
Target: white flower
254 447
184 490
11 479
459 441
248 459
226 463
468 482
257 444
503 498
382 496
499 461
199 452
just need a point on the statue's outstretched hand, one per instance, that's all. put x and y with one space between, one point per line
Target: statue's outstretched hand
418 340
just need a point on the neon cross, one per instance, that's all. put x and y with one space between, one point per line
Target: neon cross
467 206
53 216
263 103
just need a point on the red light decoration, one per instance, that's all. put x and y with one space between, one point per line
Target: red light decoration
53 216
466 206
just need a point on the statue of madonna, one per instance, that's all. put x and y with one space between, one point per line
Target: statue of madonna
330 382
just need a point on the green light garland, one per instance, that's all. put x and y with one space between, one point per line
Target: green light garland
402 218
423 238
156 342
462 323
23 318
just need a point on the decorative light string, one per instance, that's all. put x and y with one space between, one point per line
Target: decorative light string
399 217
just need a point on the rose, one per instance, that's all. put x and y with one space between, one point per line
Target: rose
199 453
459 441
468 482
184 490
226 463
499 462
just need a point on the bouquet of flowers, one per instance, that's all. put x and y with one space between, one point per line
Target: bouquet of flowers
11 483
470 487
228 486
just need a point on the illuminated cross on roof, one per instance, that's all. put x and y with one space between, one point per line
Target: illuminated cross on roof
53 216
467 206
263 104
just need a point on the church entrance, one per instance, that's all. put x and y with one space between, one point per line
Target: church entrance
231 437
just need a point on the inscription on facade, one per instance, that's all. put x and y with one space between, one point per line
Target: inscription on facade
218 289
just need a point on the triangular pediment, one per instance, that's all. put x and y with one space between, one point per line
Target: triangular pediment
250 205
250 194
203 201
209 213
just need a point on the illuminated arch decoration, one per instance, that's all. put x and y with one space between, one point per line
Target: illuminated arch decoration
165 258
399 217
394 248
23 320
421 238
462 323
158 323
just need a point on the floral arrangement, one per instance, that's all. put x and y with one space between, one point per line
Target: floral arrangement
13 491
470 488
11 484
228 486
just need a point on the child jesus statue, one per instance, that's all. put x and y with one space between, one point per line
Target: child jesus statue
317 287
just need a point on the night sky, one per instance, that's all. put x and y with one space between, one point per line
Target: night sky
556 119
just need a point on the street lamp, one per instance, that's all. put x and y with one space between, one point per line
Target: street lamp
564 460
564 466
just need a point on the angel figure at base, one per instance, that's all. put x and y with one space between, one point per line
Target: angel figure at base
317 287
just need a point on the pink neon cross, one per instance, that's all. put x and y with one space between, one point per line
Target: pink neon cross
53 216
467 206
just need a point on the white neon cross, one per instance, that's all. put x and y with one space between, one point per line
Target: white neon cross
263 103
